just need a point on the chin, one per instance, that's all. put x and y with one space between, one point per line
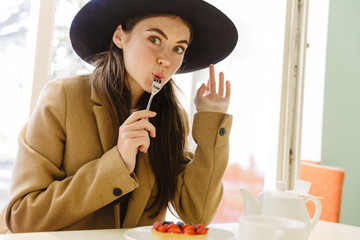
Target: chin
148 89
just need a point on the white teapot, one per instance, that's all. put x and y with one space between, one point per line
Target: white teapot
282 203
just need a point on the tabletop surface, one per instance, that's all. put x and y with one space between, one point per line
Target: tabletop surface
323 230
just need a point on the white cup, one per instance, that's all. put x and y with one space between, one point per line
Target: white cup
256 227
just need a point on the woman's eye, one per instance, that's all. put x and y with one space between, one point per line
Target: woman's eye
179 50
155 40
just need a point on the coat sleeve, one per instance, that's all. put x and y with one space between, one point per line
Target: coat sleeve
200 187
41 192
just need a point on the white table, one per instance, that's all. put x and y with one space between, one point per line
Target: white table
322 231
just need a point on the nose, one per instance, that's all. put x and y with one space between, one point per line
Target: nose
164 61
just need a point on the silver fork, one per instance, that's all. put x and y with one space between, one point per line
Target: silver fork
156 87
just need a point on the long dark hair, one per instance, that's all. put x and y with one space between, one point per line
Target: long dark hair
166 151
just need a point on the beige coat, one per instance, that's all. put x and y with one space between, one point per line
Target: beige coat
68 176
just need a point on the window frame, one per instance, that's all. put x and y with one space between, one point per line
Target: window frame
292 97
42 63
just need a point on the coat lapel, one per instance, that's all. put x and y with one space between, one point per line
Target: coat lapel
141 195
145 175
103 121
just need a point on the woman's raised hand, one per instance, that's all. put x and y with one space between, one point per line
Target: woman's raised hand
134 135
207 99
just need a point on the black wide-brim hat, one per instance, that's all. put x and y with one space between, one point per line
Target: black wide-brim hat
214 34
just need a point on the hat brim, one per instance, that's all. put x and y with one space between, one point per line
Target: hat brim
215 35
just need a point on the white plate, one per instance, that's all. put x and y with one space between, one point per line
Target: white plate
143 233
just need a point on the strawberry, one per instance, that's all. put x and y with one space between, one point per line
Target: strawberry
156 225
161 229
166 226
189 231
174 228
200 225
179 227
201 230
186 226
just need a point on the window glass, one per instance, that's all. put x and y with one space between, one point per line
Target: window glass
311 138
255 72
65 62
14 90
15 82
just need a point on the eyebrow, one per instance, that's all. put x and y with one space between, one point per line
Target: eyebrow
164 35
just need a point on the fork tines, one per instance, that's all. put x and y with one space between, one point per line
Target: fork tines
156 84
156 87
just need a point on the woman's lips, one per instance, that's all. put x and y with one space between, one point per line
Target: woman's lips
158 75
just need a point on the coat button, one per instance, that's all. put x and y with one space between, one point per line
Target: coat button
117 192
222 131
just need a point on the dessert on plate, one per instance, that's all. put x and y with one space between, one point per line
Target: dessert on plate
171 231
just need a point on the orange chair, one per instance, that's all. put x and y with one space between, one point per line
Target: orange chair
327 183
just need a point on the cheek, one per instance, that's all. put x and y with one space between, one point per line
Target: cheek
132 59
177 63
137 55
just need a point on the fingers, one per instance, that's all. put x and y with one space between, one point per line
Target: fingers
211 85
141 142
228 90
139 125
134 136
139 120
212 82
201 90
135 131
136 116
221 84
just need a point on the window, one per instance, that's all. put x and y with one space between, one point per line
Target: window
65 62
15 81
254 69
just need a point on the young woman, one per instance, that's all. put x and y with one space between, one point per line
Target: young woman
91 157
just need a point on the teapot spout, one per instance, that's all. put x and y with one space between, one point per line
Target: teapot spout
252 206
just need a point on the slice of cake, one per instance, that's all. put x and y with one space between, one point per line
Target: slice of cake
171 231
